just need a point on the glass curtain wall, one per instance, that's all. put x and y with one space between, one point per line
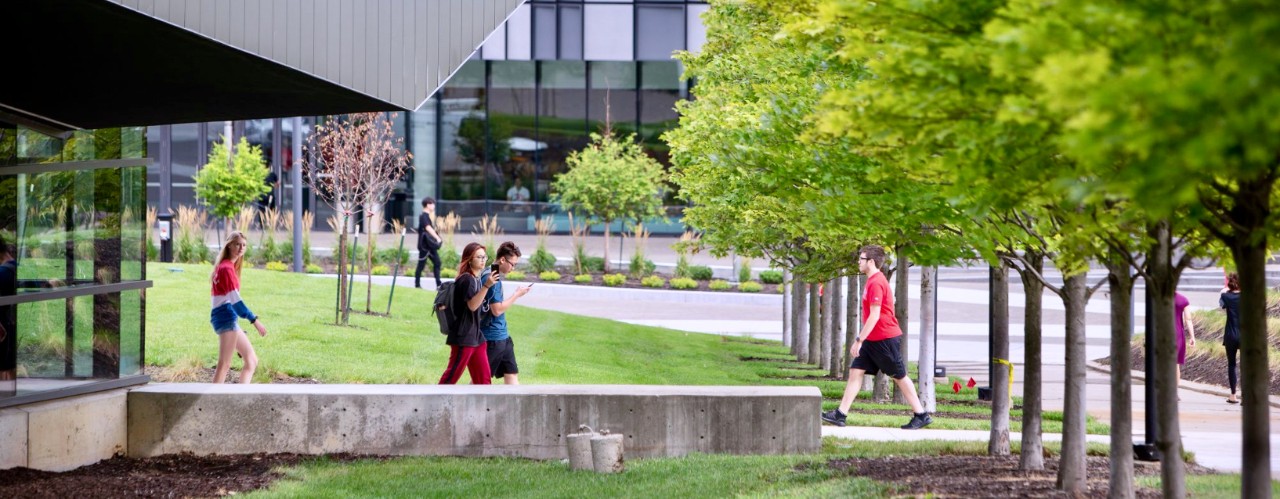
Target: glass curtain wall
72 263
506 129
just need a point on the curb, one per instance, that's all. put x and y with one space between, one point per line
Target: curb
1184 385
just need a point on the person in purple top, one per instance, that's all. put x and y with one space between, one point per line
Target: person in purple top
1186 329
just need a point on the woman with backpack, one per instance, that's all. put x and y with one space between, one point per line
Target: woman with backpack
466 342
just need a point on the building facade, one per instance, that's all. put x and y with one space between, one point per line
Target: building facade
495 136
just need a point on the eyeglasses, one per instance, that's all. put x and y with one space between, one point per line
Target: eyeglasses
481 257
864 258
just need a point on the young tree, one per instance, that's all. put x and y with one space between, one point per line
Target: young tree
611 179
352 161
230 180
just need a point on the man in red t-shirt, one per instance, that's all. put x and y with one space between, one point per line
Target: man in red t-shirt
880 351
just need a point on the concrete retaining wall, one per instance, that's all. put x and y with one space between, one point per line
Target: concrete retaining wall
64 434
466 420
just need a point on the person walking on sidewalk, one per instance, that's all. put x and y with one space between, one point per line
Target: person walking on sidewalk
1230 302
1186 330
428 243
493 319
466 343
881 351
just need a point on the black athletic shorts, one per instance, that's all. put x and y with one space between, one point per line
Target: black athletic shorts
502 357
878 356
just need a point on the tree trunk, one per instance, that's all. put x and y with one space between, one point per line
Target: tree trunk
1121 286
834 305
1256 427
606 244
815 326
1031 457
1164 280
853 320
800 320
928 319
827 337
787 291
901 306
1072 473
998 444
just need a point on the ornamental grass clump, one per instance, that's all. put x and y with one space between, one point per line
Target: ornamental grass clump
687 244
744 269
640 266
542 260
447 226
578 233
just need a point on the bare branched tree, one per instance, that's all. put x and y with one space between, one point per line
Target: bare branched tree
354 161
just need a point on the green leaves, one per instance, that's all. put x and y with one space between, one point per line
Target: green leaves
227 185
611 179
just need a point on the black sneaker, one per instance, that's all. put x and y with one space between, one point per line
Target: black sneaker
918 421
834 417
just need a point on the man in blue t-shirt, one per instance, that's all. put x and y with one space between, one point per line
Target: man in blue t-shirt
493 319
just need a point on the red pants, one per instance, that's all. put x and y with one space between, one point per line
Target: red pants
474 359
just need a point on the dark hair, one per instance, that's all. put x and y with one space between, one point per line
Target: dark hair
1233 282
875 253
507 249
467 254
428 200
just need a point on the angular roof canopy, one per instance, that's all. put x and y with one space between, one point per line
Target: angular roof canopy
105 63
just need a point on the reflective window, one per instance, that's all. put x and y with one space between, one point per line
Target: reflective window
463 134
613 96
544 32
661 32
562 126
570 32
608 31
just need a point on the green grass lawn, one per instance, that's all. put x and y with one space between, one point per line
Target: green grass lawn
554 348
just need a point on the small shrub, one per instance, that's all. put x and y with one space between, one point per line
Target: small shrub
381 270
780 289
516 275
684 283
614 280
389 256
682 266
719 285
549 275
640 267
449 257
582 278
771 276
593 264
700 272
542 261
314 269
750 287
744 270
449 273
277 266
653 281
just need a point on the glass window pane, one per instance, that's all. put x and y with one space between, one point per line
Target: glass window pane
544 32
131 333
613 93
513 140
571 32
562 119
661 32
463 134
608 31
423 128
41 339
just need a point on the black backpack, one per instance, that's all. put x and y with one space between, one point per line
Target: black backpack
442 308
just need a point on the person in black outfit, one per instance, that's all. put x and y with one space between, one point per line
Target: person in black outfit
1230 302
428 243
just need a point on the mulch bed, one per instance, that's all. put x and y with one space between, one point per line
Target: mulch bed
633 283
186 475
978 476
181 475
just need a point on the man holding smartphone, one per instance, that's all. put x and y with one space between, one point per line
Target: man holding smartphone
493 318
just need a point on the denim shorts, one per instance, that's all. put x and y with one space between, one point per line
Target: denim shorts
222 323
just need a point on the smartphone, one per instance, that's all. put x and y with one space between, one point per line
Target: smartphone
493 268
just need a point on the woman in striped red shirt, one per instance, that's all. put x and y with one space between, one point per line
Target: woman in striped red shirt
228 308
